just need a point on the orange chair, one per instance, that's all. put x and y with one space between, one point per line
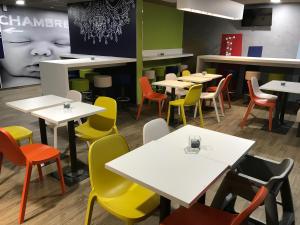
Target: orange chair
148 93
200 214
225 90
256 100
28 155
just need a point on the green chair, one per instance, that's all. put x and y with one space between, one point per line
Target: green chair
276 76
80 84
211 70
83 72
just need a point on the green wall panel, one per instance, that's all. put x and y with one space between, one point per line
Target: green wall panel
162 27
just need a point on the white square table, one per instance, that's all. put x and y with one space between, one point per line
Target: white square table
164 167
173 84
195 79
31 104
58 115
36 103
283 91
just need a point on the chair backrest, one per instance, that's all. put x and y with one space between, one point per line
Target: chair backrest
104 182
185 73
145 86
10 149
170 76
227 82
256 202
220 87
105 120
74 95
193 95
255 87
154 130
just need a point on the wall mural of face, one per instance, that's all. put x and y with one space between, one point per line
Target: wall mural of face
29 37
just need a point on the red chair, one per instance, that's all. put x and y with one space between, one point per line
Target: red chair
148 93
28 155
225 90
200 214
259 101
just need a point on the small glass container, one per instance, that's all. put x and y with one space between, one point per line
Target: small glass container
282 83
92 58
194 145
204 73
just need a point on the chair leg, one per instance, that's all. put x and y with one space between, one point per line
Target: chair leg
140 109
1 160
169 111
228 98
270 119
89 210
61 176
30 140
25 192
249 109
183 114
221 102
201 115
55 136
216 109
40 172
195 110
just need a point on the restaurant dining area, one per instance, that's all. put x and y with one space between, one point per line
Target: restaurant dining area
150 112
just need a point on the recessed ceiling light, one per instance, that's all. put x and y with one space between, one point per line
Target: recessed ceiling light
20 2
275 1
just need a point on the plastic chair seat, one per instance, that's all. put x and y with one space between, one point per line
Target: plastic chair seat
139 202
18 133
177 102
86 132
156 96
38 153
199 214
207 95
266 96
264 102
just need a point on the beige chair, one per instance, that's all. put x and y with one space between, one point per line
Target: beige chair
250 74
214 96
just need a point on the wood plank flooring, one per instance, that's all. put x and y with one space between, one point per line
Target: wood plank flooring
48 207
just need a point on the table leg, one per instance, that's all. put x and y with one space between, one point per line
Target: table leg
201 200
43 131
172 108
72 145
283 105
165 208
277 110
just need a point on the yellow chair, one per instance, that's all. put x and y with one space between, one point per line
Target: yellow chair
185 73
19 133
100 124
122 198
191 99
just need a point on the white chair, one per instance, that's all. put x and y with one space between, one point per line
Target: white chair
154 130
214 96
258 93
76 96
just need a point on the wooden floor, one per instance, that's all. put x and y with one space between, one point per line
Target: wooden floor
45 204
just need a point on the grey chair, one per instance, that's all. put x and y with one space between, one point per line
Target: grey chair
249 175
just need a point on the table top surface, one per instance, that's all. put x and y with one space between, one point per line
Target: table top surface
164 167
36 103
275 85
58 114
209 75
173 84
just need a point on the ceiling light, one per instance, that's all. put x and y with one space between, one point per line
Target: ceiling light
275 1
20 2
226 9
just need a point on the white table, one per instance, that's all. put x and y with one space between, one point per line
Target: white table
173 84
164 167
36 103
31 104
58 115
283 91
